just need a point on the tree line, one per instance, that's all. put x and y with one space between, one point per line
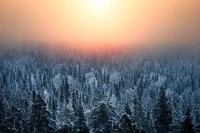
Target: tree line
114 87
101 120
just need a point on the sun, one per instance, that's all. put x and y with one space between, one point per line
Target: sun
99 6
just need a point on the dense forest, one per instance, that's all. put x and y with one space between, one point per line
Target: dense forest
64 92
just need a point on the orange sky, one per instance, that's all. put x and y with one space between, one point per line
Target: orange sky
116 23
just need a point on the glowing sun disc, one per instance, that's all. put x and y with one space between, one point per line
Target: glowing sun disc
99 6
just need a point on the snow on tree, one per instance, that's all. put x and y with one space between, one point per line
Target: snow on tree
138 116
115 78
114 81
126 126
40 118
57 81
109 79
102 119
113 101
80 122
127 110
15 120
162 113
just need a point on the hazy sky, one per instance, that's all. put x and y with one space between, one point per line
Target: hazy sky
93 23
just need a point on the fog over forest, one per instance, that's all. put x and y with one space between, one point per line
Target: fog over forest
66 92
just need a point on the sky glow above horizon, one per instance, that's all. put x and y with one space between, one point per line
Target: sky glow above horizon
100 23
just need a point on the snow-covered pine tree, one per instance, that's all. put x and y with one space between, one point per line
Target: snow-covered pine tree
162 113
148 122
80 122
15 120
138 116
126 126
33 95
127 110
102 119
2 112
187 126
197 125
64 91
54 108
65 129
25 109
67 90
3 127
75 101
39 121
63 116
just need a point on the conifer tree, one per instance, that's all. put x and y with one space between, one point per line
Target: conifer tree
162 113
33 96
15 120
80 123
64 91
39 118
2 112
148 122
54 108
128 110
102 119
117 91
187 126
138 114
62 94
74 101
25 109
197 120
126 126
66 129
3 127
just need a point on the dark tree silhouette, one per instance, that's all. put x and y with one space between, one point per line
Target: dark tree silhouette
3 127
65 129
80 123
162 113
64 91
102 119
187 126
39 118
127 110
126 126
15 120
2 112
